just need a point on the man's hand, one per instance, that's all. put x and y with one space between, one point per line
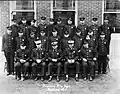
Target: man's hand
22 61
38 60
84 59
55 60
94 58
2 53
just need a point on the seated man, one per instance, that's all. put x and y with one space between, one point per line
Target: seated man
38 56
22 57
71 56
54 57
89 56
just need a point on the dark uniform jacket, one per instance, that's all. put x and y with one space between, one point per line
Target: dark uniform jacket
78 41
22 54
53 39
38 54
25 29
71 53
102 47
83 29
31 43
88 53
72 29
8 43
15 30
19 41
49 29
95 29
55 54
42 27
31 29
60 29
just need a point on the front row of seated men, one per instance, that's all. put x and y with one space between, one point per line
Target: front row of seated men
85 58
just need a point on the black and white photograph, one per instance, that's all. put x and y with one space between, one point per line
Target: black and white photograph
59 46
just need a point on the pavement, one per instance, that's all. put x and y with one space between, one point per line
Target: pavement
103 84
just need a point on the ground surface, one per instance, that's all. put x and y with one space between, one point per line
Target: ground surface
105 84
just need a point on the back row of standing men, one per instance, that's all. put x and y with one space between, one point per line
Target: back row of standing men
81 45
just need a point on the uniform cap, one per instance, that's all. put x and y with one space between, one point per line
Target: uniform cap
85 42
70 19
14 20
43 18
20 31
82 19
32 33
95 19
23 44
54 30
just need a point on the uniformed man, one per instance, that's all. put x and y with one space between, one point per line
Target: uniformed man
8 47
64 41
107 29
71 56
24 26
54 37
102 53
95 28
54 56
32 28
39 57
82 27
70 27
50 27
89 56
22 58
78 40
60 27
15 28
20 39
42 27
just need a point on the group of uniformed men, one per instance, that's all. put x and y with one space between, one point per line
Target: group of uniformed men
57 45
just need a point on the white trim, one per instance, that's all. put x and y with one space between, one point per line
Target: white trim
22 10
10 12
35 11
76 12
62 10
103 10
51 15
113 12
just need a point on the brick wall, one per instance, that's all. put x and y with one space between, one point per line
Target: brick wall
4 16
43 9
89 9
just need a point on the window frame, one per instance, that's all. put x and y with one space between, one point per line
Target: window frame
22 10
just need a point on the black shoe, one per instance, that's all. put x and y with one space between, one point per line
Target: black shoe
66 79
90 78
50 79
42 79
77 79
58 79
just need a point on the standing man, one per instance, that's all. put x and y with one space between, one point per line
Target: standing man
82 27
89 56
60 27
50 27
42 27
70 27
8 48
32 28
24 26
54 56
71 56
107 29
102 53
15 28
95 28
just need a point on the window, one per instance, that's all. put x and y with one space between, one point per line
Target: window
65 9
20 8
112 11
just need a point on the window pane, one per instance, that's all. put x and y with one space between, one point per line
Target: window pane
25 5
112 5
64 4
114 20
